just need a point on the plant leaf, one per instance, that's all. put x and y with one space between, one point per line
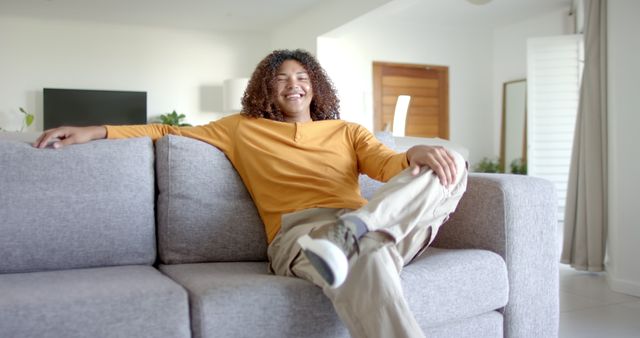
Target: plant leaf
28 119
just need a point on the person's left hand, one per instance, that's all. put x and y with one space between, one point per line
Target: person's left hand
437 158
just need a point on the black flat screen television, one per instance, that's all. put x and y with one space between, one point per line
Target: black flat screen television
78 107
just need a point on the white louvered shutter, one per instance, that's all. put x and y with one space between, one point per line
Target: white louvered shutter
554 70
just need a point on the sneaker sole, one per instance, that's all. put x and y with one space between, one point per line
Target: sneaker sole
328 260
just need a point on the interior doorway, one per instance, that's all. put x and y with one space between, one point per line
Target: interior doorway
428 86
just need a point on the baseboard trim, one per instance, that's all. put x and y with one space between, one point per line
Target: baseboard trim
624 286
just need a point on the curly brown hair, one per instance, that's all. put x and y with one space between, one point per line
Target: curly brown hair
257 100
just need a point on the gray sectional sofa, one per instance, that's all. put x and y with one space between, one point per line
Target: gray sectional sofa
121 238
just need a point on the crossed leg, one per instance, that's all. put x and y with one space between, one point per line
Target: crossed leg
403 217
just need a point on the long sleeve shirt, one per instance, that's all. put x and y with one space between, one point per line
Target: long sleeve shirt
290 166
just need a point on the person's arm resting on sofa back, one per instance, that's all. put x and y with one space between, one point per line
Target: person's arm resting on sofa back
70 135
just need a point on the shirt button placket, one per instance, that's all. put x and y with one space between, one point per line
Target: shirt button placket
298 135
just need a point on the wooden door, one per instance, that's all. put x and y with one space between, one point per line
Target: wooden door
428 86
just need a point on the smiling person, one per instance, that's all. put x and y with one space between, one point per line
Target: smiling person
301 165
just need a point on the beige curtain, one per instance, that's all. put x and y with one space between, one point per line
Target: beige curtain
585 223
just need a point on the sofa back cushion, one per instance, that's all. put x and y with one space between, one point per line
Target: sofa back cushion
204 210
80 206
368 186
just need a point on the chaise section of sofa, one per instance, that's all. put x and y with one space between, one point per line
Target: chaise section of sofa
77 241
463 288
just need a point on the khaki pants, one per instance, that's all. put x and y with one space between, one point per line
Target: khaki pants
403 218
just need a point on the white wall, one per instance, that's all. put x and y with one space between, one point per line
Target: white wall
624 162
510 55
179 69
348 54
303 30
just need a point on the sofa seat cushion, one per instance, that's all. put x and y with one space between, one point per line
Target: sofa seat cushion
125 301
486 325
447 284
243 299
442 286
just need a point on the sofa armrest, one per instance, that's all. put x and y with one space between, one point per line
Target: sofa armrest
514 216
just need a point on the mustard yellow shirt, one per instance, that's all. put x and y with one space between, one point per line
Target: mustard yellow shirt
290 166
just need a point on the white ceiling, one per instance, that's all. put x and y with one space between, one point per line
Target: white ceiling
262 15
226 15
463 13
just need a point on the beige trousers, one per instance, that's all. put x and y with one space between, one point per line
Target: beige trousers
403 218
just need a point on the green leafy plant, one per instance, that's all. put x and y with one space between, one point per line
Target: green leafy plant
173 119
518 166
487 165
27 119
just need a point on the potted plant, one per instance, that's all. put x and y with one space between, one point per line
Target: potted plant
487 165
173 119
519 167
27 120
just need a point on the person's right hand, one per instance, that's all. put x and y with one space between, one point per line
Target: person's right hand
70 135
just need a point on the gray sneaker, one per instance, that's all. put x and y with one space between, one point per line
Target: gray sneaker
328 249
